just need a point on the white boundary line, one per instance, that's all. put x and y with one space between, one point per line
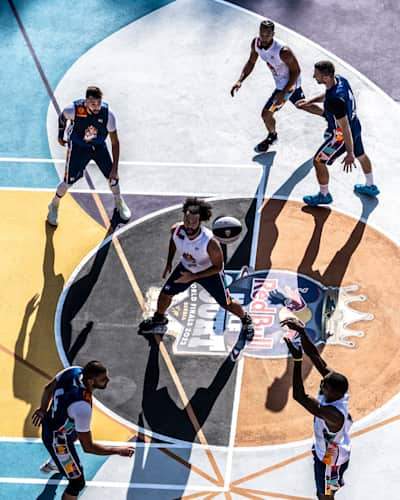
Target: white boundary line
262 186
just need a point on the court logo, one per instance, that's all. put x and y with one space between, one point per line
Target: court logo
201 326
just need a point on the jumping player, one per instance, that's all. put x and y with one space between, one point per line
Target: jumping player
332 420
285 70
201 261
91 121
68 418
343 134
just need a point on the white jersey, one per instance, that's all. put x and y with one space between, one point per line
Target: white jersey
333 448
69 113
279 69
193 253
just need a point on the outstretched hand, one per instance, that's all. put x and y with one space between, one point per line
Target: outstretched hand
37 416
185 277
296 352
235 88
349 162
293 324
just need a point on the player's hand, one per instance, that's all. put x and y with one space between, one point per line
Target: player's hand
185 277
167 270
38 416
293 324
113 179
235 88
61 142
296 352
126 451
349 162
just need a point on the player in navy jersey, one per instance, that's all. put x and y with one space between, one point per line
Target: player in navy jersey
91 121
332 420
343 135
68 418
201 261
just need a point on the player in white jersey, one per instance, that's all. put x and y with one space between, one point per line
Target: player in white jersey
285 70
201 261
332 420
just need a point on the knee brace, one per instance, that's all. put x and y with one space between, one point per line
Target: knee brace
75 486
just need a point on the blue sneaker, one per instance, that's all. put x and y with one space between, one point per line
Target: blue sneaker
318 199
239 346
368 190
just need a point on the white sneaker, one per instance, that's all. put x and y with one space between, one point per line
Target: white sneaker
48 466
52 216
123 209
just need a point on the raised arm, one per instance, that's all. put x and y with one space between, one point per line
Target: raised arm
248 68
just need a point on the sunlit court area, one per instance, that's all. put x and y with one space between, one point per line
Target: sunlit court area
200 250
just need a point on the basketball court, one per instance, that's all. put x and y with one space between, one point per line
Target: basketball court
203 426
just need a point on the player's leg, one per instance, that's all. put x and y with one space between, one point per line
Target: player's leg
267 115
170 288
103 160
331 149
76 161
369 188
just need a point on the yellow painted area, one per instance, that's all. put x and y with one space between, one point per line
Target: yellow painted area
37 260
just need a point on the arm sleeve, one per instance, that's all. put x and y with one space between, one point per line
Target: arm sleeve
81 412
111 122
337 107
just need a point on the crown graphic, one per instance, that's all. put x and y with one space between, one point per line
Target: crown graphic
337 315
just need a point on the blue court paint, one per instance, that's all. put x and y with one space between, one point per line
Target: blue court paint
28 175
59 36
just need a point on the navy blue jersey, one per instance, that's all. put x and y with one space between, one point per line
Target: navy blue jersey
89 129
69 389
339 101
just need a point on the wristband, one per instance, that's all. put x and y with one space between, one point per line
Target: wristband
297 359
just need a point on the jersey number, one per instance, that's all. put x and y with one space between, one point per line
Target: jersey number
57 394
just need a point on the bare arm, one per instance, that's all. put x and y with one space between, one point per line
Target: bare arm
248 68
115 154
171 253
90 446
47 395
290 60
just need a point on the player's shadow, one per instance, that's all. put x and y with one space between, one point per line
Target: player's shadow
50 490
162 415
277 393
35 341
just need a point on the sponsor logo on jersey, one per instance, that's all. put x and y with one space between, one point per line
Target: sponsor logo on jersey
81 111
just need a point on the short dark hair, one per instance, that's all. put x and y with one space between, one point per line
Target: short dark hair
267 25
326 68
95 92
338 383
196 206
93 369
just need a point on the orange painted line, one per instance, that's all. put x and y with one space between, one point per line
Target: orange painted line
197 495
247 492
271 468
372 427
189 409
228 495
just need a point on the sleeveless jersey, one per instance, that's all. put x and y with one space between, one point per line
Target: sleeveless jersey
89 129
194 255
342 91
333 448
279 69
69 389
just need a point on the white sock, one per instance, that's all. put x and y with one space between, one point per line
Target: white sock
369 179
324 189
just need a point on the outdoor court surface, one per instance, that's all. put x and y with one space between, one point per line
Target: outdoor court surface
204 427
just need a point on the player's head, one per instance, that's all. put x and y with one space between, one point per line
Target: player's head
95 375
93 99
267 31
324 71
194 212
334 386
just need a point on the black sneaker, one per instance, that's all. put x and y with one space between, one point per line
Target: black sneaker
266 143
154 324
248 328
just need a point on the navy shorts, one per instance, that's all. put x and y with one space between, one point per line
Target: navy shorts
334 146
328 478
215 286
62 450
292 96
79 156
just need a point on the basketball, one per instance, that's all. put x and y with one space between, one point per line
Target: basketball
226 229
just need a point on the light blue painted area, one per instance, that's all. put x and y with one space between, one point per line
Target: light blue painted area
31 175
22 460
59 33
